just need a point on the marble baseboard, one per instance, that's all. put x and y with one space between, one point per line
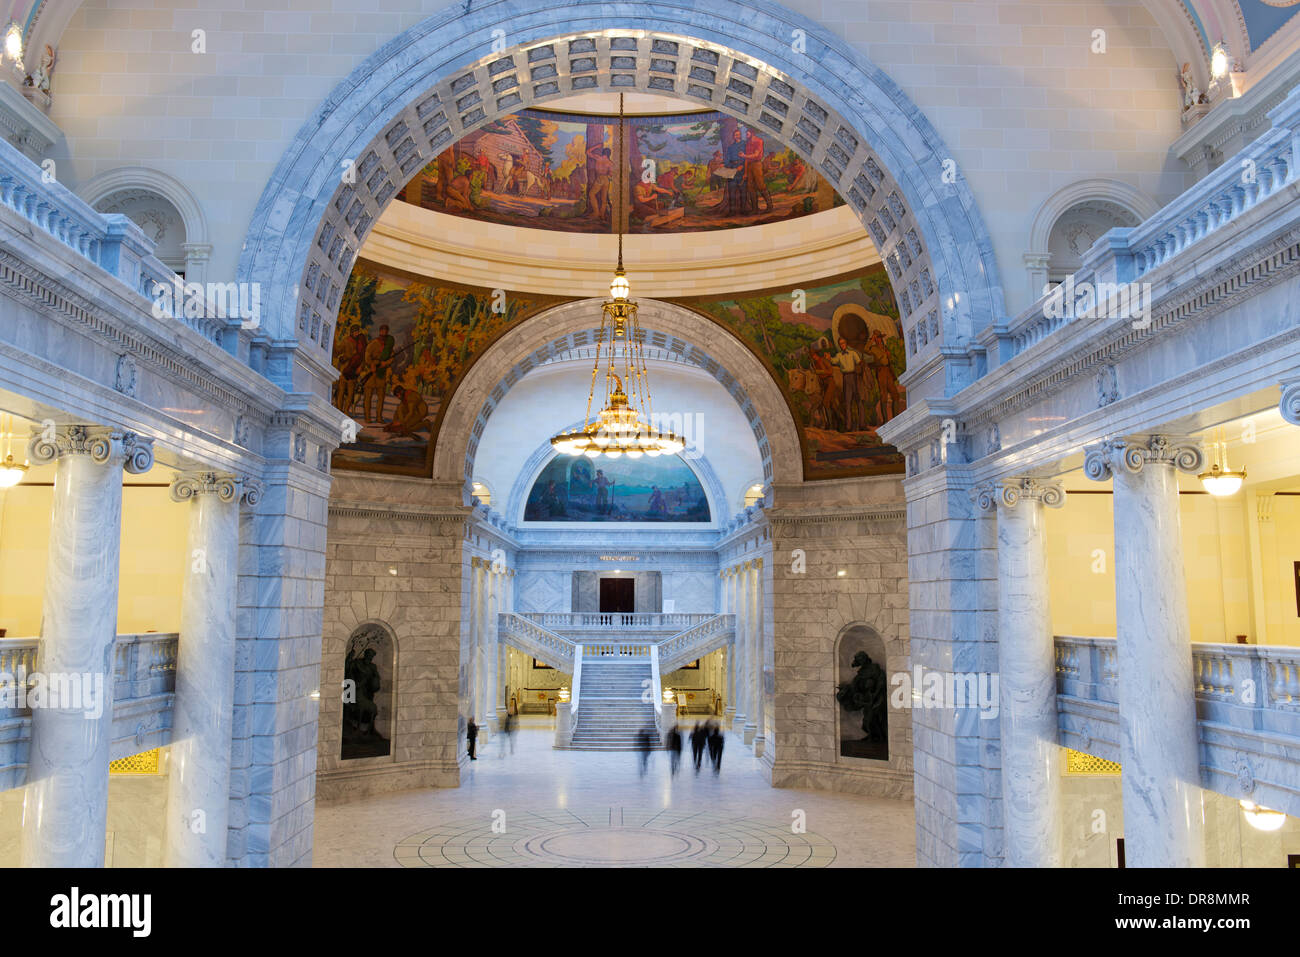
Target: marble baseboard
349 784
875 782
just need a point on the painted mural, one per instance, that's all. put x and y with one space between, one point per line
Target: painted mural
402 344
555 171
837 351
578 489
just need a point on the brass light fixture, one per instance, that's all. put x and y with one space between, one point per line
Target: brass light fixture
624 425
1220 480
11 473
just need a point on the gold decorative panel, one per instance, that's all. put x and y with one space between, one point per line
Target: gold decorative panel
1077 762
146 762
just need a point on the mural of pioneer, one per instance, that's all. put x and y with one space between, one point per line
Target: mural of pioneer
838 361
401 346
578 489
684 173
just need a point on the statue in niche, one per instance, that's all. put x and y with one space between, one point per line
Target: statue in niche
866 693
362 683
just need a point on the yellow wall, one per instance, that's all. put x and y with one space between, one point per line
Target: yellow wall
154 533
1217 564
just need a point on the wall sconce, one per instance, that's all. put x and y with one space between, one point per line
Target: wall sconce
1220 61
11 473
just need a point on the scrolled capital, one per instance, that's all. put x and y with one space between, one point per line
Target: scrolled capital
224 486
1290 404
1011 492
1132 455
101 444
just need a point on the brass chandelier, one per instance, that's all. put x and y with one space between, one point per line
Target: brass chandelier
624 424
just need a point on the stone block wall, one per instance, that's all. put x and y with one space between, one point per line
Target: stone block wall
422 606
830 570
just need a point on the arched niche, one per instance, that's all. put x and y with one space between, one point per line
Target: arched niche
369 676
163 207
855 682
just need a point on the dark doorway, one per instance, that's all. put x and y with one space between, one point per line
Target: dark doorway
618 595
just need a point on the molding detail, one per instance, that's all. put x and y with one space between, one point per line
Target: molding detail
102 444
1107 386
1011 492
1100 461
128 374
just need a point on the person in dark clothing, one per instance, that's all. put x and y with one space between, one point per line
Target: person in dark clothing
673 742
471 735
698 737
645 742
715 747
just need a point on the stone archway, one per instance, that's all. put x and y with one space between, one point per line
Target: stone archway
669 327
751 59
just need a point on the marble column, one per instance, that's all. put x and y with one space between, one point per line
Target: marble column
198 770
752 664
65 803
760 656
728 608
489 644
1031 756
1159 747
742 652
476 708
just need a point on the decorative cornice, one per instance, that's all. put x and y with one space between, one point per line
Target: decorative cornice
1012 492
821 516
398 513
1133 454
1290 403
226 486
102 444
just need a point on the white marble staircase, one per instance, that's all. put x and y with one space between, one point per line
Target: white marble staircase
611 712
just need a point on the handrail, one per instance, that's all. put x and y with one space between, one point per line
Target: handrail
547 642
143 664
692 643
615 620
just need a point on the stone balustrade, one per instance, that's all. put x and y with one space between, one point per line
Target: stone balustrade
640 621
144 679
1124 256
1247 707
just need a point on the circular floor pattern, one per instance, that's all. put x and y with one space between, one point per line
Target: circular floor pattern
612 837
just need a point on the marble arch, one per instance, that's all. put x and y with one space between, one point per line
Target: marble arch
686 333
444 78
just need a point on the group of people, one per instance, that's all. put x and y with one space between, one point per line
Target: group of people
851 390
366 371
707 736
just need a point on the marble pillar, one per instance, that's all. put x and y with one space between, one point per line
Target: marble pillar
759 697
495 577
742 652
65 803
729 608
752 664
1159 747
198 770
1031 756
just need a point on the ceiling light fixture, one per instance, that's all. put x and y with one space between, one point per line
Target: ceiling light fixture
1220 480
11 473
1262 818
625 424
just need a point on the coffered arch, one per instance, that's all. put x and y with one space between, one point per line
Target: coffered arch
751 59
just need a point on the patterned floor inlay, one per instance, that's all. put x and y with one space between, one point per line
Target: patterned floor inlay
613 837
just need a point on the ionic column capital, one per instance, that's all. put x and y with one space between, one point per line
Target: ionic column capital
1290 404
225 486
99 443
1101 461
1009 493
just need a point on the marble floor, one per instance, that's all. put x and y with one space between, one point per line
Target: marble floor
539 807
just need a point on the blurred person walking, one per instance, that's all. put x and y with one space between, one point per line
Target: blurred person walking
673 742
